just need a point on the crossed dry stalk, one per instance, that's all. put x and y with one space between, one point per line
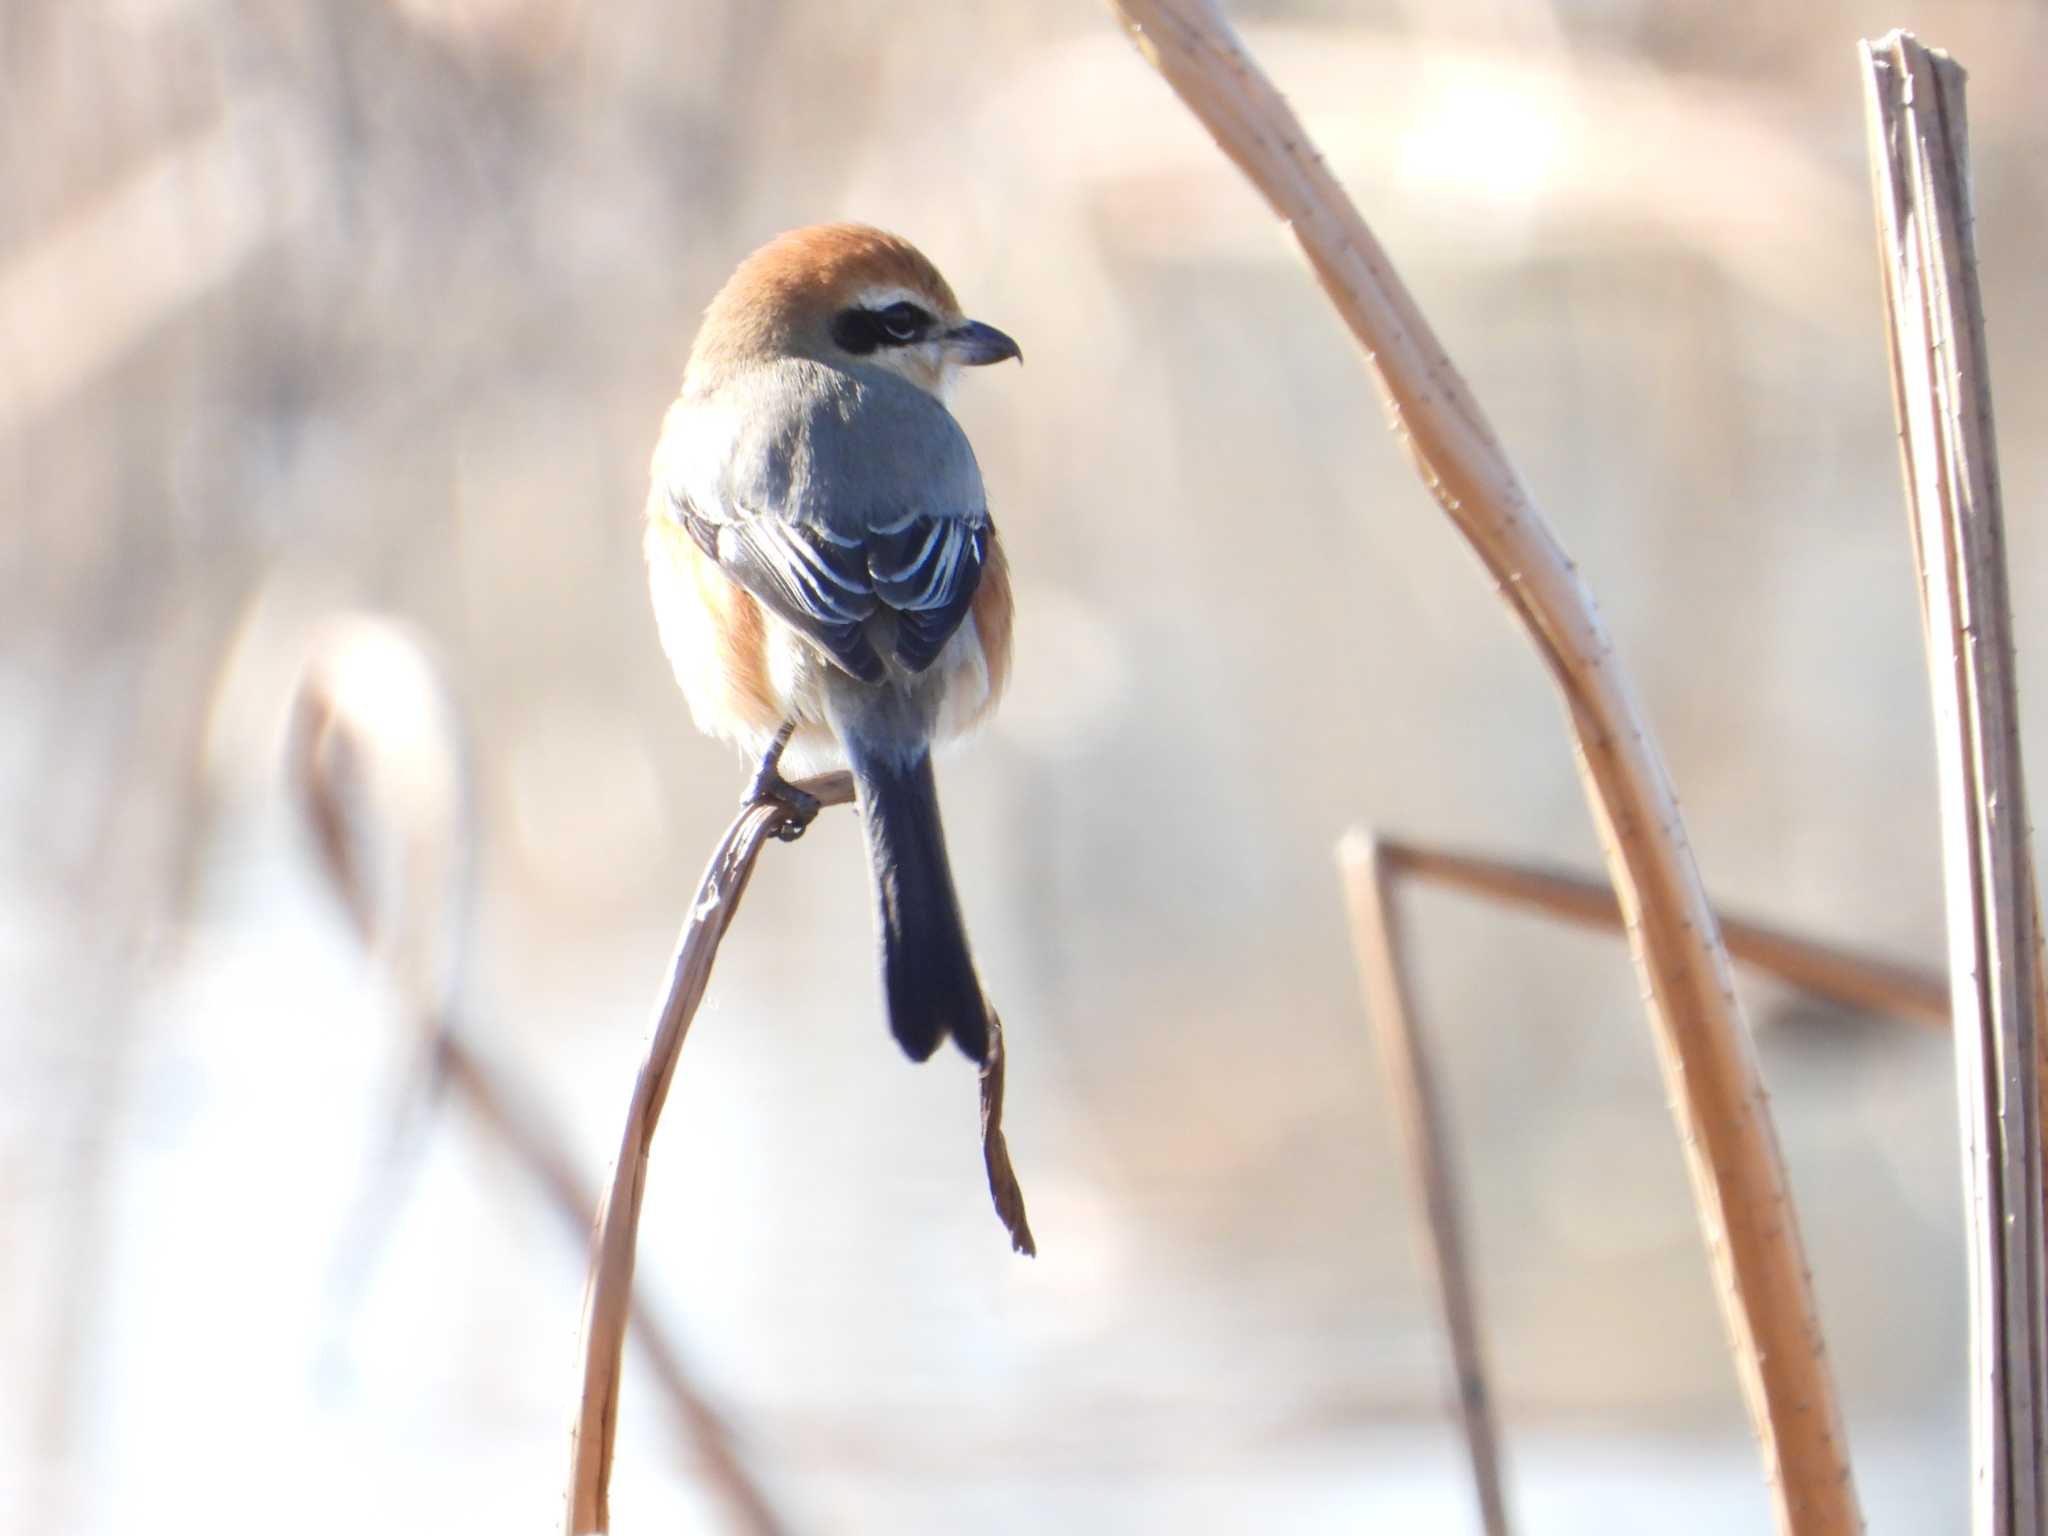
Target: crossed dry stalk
1374 869
1996 991
1717 1098
1426 1142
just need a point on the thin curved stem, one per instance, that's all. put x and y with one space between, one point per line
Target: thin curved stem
1369 872
618 1220
1853 978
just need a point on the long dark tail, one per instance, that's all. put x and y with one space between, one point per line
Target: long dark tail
927 973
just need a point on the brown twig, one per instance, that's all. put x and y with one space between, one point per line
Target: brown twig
611 1277
618 1218
1941 390
995 1148
1724 1120
543 1156
1411 1085
1373 866
1850 977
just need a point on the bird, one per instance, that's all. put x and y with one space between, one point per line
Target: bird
826 577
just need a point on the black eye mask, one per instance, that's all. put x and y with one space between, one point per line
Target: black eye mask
863 331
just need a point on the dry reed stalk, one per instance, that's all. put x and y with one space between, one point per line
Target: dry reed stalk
371 696
1724 1120
1373 867
1003 1187
1941 391
1850 977
618 1218
1425 1135
338 732
618 1221
491 1096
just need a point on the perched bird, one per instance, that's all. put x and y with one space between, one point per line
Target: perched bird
825 574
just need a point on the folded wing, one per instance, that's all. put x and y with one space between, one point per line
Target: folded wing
865 503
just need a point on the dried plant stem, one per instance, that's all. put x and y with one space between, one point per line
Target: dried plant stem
1919 150
618 1218
618 1222
1373 867
499 1106
1411 1085
1003 1187
1846 976
1709 1066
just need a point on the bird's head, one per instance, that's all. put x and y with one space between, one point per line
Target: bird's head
842 294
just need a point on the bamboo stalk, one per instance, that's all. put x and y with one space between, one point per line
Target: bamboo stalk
1425 1135
1724 1120
1941 391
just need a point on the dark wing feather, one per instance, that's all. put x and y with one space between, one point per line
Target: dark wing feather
928 572
804 577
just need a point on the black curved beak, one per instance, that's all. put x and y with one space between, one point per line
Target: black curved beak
976 345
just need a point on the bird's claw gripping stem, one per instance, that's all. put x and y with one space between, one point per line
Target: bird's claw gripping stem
769 787
799 809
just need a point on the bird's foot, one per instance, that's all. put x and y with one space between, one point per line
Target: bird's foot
799 808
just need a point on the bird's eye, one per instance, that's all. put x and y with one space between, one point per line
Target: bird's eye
903 322
863 331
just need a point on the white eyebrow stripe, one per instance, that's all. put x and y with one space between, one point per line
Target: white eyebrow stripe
882 298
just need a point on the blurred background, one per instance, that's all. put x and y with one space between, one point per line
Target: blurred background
311 306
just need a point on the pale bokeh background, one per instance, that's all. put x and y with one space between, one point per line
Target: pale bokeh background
310 305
